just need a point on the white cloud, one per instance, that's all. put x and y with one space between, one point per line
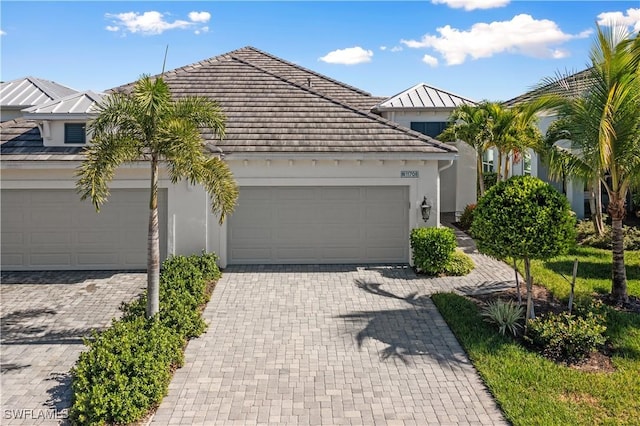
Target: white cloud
348 56
396 49
383 48
472 4
201 30
199 16
153 22
522 34
430 60
2 33
630 19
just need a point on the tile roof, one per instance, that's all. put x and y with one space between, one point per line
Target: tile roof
272 109
423 96
20 140
78 103
574 84
29 91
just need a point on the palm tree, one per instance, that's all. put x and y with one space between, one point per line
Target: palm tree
147 124
603 125
513 130
469 124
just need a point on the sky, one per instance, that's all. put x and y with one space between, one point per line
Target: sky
478 49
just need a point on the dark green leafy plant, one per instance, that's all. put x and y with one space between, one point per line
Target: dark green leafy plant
432 248
466 219
506 315
126 371
567 337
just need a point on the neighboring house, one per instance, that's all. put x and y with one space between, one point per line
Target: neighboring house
531 163
322 178
426 109
26 92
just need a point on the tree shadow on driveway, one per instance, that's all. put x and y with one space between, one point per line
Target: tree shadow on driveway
418 330
33 327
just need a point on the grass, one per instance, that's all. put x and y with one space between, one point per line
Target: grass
594 272
532 390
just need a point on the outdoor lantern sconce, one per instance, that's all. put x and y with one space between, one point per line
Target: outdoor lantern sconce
425 209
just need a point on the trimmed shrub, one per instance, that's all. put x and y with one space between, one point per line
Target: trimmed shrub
566 337
125 372
432 248
467 217
128 366
459 264
490 179
506 315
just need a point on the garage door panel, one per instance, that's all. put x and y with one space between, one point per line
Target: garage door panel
320 225
54 229
50 259
50 238
342 194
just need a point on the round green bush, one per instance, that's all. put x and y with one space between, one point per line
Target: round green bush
432 248
523 217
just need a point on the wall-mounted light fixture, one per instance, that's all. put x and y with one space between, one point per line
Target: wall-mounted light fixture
425 209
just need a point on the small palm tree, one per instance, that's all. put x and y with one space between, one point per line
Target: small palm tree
469 124
603 125
147 124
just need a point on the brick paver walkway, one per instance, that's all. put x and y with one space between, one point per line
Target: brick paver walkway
44 317
331 345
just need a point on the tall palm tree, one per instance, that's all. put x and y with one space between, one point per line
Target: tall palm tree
147 124
469 124
603 125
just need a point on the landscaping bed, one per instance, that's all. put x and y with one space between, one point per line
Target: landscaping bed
530 388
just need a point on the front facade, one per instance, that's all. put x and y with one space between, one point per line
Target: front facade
322 178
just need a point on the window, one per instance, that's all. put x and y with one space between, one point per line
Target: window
74 133
487 161
526 165
429 128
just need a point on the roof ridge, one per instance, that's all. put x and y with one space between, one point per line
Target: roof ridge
300 67
368 114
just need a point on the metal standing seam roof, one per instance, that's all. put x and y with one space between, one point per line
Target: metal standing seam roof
423 96
77 103
29 91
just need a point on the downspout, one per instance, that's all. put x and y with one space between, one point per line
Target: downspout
446 166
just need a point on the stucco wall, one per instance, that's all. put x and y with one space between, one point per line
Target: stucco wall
55 134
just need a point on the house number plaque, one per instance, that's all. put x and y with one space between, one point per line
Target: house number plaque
409 174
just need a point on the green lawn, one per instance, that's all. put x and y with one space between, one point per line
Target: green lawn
594 272
532 390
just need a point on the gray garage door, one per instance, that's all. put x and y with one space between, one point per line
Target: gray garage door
320 225
53 229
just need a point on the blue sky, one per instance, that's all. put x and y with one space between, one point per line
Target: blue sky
480 49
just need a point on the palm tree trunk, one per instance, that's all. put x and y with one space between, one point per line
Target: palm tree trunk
506 167
499 169
598 222
619 273
153 245
480 172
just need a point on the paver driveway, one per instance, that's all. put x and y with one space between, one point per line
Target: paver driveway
44 317
330 345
